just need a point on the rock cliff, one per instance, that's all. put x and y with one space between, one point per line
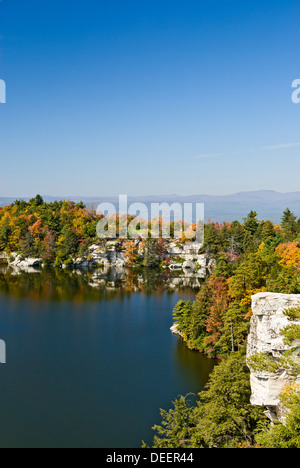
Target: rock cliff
266 323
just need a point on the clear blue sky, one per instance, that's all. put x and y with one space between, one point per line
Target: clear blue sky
149 96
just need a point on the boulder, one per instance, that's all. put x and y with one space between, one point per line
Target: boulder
266 324
24 263
175 331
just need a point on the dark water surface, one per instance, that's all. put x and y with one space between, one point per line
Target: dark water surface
87 366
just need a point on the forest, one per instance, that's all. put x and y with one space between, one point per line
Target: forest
251 257
61 231
53 231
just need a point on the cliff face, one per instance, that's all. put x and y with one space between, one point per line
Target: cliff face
266 323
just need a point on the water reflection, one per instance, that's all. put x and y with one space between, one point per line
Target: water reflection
81 285
193 367
91 358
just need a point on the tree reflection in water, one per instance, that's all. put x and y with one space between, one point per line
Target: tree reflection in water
81 285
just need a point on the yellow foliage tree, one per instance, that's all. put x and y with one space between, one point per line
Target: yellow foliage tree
289 254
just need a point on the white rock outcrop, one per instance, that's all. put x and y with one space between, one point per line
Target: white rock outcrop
25 264
174 329
266 323
112 253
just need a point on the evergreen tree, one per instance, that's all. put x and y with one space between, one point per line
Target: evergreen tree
251 223
37 201
235 329
28 247
267 231
5 232
70 241
225 416
287 434
182 316
177 426
151 255
289 222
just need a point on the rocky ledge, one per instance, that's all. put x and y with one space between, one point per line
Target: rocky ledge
266 323
112 253
24 264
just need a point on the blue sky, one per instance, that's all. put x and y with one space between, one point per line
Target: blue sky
149 97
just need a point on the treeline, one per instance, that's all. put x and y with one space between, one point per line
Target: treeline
60 231
51 231
249 258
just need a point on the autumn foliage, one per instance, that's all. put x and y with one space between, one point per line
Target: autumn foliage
249 258
52 231
289 254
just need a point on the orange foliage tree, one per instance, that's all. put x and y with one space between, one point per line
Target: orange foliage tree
289 254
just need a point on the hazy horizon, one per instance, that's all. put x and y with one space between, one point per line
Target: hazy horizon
151 195
269 205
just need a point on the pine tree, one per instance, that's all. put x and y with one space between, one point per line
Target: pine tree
225 416
251 223
177 426
70 240
289 222
37 201
28 247
182 315
151 255
267 230
5 232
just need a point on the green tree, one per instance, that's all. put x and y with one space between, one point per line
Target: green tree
234 330
37 201
251 223
70 241
201 308
266 230
287 434
284 280
289 223
151 254
182 316
177 426
28 246
5 232
249 278
225 416
211 239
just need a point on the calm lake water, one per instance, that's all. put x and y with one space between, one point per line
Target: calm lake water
90 366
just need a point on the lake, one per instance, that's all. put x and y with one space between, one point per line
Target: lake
90 365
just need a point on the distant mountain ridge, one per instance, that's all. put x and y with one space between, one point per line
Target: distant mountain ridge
268 204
